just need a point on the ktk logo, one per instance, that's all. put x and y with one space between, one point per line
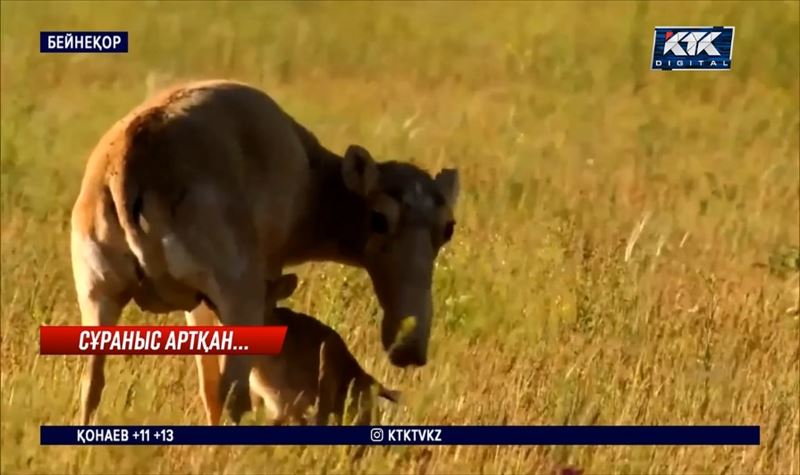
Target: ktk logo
692 48
696 42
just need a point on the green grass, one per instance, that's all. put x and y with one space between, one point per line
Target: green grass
627 249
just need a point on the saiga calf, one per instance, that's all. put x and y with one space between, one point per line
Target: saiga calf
314 366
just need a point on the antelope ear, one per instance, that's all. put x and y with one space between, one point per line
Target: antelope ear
359 171
447 182
283 287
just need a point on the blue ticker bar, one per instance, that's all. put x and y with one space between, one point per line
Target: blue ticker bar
400 435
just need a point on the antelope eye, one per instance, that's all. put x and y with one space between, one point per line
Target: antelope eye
378 222
448 230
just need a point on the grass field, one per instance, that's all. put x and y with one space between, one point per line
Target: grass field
627 248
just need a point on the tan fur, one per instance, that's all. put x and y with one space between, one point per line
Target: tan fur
207 190
314 366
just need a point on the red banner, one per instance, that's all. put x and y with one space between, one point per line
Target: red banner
161 340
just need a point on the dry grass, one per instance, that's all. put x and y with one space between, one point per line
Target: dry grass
627 249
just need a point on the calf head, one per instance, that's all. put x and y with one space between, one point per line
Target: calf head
281 288
409 218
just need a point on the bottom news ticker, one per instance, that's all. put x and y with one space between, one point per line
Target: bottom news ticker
400 435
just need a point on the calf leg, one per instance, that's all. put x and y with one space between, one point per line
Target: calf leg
330 400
